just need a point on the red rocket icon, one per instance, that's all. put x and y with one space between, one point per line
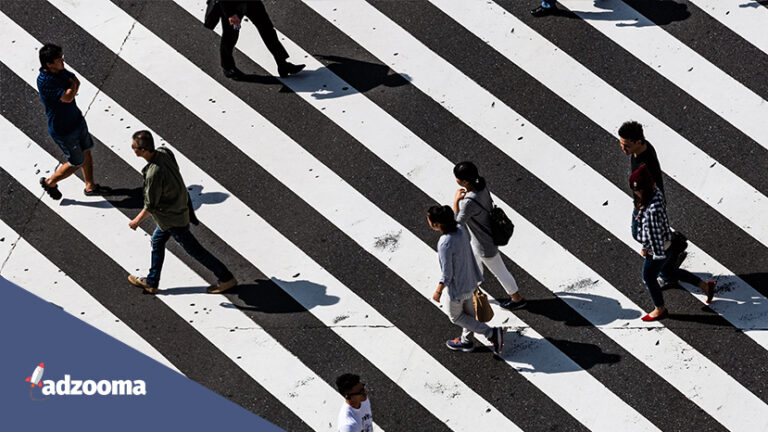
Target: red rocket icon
37 376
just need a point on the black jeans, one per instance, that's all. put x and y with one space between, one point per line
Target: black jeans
258 15
184 237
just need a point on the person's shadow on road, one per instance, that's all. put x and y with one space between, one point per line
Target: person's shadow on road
272 296
571 307
647 13
208 198
356 76
132 199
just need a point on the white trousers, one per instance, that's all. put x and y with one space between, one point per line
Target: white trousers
497 267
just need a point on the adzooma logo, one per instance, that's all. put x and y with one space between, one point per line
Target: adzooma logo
76 387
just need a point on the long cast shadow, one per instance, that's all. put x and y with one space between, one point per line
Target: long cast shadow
362 75
659 12
268 297
359 77
132 199
607 310
584 355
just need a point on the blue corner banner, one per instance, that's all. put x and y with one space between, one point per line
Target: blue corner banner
58 373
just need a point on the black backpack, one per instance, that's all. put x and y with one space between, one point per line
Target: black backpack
501 227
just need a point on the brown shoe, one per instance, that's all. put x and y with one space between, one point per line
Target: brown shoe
141 282
220 286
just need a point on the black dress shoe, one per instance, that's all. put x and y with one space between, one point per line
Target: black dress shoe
287 68
233 73
542 11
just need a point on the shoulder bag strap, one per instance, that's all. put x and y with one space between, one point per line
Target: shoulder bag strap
479 225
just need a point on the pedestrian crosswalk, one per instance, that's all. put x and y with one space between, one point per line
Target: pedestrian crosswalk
317 193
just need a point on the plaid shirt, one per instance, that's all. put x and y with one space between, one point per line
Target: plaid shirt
653 225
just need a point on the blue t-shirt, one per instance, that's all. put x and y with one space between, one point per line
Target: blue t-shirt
63 117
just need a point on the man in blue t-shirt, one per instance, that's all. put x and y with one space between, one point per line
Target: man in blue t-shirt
66 124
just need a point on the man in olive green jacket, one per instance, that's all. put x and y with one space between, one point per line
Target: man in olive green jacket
167 201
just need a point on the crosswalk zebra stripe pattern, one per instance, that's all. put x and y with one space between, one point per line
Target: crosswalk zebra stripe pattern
478 19
678 63
744 18
684 365
215 323
27 267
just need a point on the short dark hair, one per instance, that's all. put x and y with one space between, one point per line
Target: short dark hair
144 140
631 130
444 216
345 382
49 53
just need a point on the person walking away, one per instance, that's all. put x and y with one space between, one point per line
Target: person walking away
654 234
472 205
66 124
167 201
460 275
231 13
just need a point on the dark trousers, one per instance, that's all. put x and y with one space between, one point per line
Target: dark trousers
184 237
667 268
258 15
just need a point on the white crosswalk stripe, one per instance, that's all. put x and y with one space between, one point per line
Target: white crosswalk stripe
745 18
592 96
678 63
27 267
441 387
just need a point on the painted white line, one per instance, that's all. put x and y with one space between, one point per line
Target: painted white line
230 330
249 346
678 63
744 307
746 18
326 298
367 225
575 283
32 271
740 304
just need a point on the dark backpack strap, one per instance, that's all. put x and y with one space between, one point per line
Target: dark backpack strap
478 203
479 225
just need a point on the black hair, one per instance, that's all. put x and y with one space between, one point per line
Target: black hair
345 382
632 130
444 216
48 54
646 195
144 140
467 171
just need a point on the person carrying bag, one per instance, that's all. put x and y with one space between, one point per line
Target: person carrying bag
483 310
489 226
461 276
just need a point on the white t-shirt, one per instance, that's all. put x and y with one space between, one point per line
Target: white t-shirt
356 420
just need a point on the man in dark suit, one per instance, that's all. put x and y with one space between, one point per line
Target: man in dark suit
230 13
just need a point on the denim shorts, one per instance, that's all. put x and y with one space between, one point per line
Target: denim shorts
75 144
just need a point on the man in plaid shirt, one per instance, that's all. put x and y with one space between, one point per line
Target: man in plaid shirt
656 237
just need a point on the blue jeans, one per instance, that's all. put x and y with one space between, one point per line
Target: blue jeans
184 237
652 268
75 144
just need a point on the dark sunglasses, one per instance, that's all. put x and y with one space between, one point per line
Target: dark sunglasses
361 392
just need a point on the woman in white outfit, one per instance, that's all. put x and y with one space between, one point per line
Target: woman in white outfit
472 205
